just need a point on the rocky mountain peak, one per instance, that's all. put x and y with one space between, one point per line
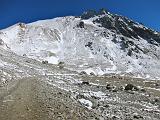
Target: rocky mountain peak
123 25
93 13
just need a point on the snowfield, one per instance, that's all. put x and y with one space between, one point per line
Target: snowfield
89 47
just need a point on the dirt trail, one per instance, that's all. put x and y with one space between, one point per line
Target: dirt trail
33 99
18 104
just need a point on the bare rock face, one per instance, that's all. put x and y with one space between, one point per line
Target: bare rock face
22 25
1 42
127 27
81 24
61 65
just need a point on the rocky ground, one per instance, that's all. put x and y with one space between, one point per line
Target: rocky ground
34 90
80 97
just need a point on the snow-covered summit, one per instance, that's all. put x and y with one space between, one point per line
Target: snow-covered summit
96 43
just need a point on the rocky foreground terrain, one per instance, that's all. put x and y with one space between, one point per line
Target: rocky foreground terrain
98 66
42 91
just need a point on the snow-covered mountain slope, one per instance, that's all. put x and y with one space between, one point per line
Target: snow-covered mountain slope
96 42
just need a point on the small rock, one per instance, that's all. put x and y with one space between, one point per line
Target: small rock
121 88
81 24
85 83
61 65
92 74
137 116
131 87
114 90
1 42
156 100
96 118
114 117
156 84
94 97
106 106
120 78
22 25
108 87
143 90
45 62
24 55
59 93
113 76
79 96
128 119
27 61
83 73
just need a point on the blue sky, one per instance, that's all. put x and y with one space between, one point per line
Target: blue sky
13 11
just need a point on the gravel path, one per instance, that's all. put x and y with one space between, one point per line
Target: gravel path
33 99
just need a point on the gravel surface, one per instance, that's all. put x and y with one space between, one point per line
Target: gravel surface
92 98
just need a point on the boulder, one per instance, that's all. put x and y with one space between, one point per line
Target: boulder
1 42
82 73
61 65
85 83
81 24
130 87
45 62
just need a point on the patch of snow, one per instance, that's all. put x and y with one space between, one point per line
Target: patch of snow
98 94
52 60
89 70
158 89
148 76
86 103
129 70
